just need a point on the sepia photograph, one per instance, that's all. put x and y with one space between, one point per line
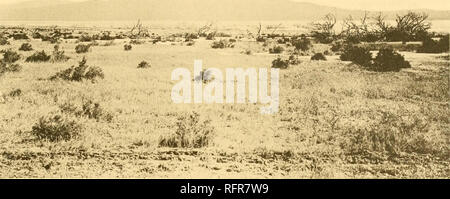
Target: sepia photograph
224 89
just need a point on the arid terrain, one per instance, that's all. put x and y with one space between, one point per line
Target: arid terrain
336 119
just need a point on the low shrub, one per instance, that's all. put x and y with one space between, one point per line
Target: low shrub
389 60
143 64
55 128
301 44
222 44
357 55
127 47
191 133
58 55
4 41
82 48
318 57
15 93
80 72
19 36
293 59
280 63
39 56
89 109
431 46
276 50
10 56
26 47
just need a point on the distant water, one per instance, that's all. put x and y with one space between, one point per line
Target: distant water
281 26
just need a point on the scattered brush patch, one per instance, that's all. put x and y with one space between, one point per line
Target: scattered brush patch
280 63
127 47
276 50
357 55
55 128
191 133
137 42
293 59
223 43
302 44
393 135
7 64
19 36
431 46
58 55
39 56
144 64
26 47
4 41
15 93
318 57
82 48
388 60
89 109
80 73
10 56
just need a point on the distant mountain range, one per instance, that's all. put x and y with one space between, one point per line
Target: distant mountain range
184 10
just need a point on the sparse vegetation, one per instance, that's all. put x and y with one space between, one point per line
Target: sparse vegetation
39 56
26 47
357 55
55 128
144 64
58 55
80 73
276 50
222 44
318 57
191 132
280 63
127 47
82 48
389 60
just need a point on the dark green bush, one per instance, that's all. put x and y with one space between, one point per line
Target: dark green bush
4 41
39 56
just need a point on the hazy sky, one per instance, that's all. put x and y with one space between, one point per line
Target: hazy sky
361 4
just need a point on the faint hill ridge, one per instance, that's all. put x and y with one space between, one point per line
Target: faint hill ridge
205 10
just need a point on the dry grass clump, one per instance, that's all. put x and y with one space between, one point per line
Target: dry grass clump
80 73
223 43
26 47
144 64
82 48
191 132
127 47
58 55
7 63
393 135
39 56
280 63
89 109
318 57
55 128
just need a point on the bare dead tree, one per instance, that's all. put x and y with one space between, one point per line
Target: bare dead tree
138 30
